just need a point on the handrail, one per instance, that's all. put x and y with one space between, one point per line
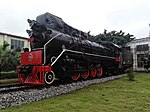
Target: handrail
47 44
78 52
58 57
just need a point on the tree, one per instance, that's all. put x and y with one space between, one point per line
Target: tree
119 38
9 59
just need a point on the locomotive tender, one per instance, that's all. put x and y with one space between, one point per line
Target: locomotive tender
59 51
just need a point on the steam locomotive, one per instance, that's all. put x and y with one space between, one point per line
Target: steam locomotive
60 51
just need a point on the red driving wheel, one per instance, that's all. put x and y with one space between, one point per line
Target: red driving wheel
85 75
93 73
99 70
75 76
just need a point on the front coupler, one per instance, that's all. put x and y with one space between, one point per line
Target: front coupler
36 77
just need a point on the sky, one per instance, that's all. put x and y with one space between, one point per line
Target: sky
130 16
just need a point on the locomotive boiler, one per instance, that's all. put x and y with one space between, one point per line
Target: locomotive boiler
60 51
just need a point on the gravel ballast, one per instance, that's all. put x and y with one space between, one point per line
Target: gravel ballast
31 95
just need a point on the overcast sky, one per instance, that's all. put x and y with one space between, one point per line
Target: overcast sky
130 16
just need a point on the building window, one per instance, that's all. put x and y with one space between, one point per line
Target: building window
17 44
143 47
128 48
141 59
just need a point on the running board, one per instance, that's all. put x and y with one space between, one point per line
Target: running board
78 52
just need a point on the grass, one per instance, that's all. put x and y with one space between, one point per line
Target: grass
8 78
8 75
6 82
113 96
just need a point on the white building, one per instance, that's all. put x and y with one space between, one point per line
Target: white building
141 51
14 41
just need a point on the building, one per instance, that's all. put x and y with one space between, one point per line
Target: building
14 42
141 52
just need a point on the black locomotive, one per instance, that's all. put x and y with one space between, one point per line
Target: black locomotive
59 50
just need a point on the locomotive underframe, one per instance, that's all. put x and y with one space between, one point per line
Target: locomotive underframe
69 63
35 76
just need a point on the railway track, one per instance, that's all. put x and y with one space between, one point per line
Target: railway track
20 94
14 87
22 87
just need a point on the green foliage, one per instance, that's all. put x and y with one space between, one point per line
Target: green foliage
130 74
119 38
9 59
5 45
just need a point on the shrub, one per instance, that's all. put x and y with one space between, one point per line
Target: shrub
130 74
9 59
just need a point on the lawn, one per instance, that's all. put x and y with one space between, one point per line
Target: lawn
114 96
6 82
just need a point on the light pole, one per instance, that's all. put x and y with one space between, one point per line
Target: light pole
149 30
